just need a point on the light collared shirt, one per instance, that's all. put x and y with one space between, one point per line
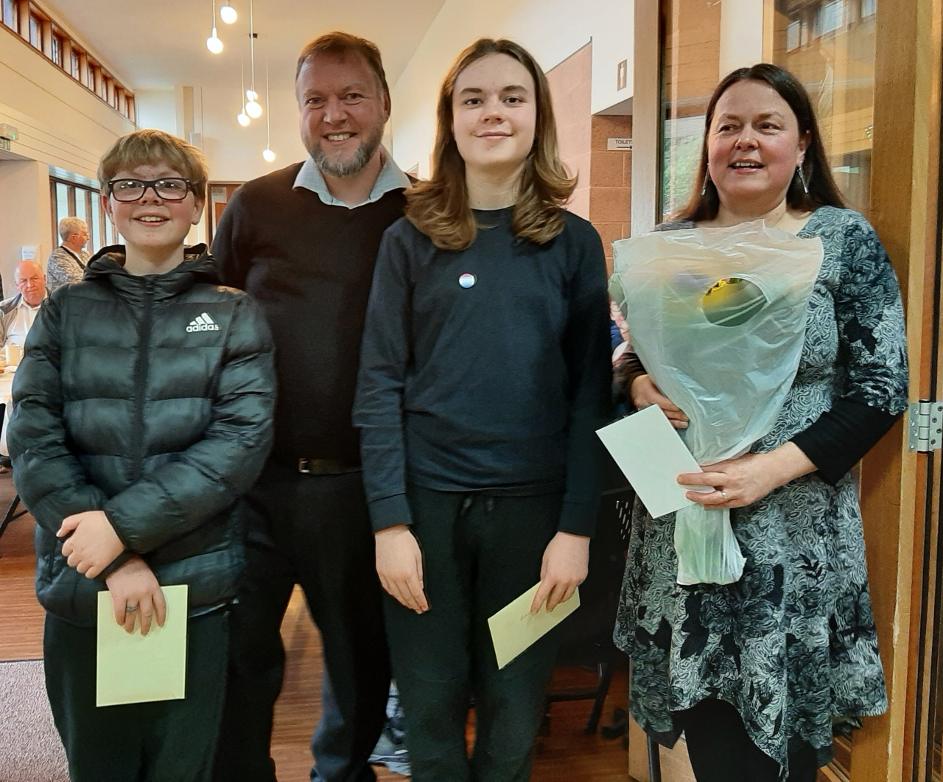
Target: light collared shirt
391 177
22 321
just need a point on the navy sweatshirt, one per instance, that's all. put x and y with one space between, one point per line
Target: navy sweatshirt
485 369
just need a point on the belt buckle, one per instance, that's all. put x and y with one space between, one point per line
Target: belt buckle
308 466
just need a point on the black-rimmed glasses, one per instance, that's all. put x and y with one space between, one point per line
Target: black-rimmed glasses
167 189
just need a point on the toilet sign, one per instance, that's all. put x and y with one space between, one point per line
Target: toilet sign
618 143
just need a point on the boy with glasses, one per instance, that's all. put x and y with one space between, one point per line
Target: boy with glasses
143 412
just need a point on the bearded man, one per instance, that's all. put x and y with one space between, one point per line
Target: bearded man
303 241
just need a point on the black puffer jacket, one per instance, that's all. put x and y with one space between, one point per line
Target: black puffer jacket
150 398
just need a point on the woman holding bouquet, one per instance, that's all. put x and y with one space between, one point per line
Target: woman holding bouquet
754 673
484 373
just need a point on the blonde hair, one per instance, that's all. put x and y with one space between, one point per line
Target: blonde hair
149 146
71 225
439 207
338 44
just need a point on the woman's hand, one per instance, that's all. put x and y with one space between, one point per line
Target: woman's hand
135 594
93 543
399 566
644 393
563 569
742 481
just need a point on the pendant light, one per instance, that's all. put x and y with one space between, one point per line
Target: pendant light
227 13
267 154
242 118
213 43
253 107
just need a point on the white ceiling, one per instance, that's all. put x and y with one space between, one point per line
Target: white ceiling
157 44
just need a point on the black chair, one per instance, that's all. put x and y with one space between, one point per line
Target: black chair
586 636
11 511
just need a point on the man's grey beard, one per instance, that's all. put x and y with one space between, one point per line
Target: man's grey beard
350 167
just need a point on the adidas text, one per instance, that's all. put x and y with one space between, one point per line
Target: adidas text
202 323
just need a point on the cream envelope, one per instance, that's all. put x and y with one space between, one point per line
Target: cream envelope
514 628
131 668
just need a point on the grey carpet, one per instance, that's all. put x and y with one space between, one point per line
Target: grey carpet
30 750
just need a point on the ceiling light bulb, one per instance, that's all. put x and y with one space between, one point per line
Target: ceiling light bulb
213 43
254 109
269 155
252 96
243 119
228 14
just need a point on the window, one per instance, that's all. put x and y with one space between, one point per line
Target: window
837 68
690 59
793 35
72 200
868 8
36 31
58 45
829 17
44 34
9 13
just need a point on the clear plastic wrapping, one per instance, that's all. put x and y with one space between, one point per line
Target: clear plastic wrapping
717 316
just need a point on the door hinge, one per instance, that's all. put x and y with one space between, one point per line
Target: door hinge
926 426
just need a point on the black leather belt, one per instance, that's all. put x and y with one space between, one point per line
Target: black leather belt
308 466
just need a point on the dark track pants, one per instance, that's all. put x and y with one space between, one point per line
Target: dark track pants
479 553
313 531
721 750
163 741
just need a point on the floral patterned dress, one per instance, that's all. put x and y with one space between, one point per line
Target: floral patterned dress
792 645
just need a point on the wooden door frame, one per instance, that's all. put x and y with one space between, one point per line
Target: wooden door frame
904 188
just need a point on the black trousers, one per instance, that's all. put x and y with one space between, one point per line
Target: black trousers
721 750
313 531
163 741
479 553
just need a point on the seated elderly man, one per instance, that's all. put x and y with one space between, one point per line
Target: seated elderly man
67 262
18 312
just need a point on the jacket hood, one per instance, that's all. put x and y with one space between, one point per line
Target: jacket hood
197 264
108 267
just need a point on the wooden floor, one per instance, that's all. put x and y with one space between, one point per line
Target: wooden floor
565 754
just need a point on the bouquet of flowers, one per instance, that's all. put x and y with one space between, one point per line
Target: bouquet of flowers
717 316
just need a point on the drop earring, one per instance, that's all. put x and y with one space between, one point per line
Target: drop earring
802 180
707 178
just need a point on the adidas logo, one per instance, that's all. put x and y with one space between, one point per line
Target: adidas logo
202 323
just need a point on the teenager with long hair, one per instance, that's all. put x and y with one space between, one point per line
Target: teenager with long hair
484 372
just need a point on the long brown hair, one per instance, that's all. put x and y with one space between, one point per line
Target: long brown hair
439 207
705 201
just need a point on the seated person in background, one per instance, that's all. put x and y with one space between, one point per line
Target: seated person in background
18 312
67 262
133 438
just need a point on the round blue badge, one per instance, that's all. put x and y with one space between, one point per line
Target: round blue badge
467 280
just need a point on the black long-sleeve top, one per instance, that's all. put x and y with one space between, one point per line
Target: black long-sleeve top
309 266
485 369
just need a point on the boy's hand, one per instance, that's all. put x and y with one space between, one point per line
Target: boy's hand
94 543
135 594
